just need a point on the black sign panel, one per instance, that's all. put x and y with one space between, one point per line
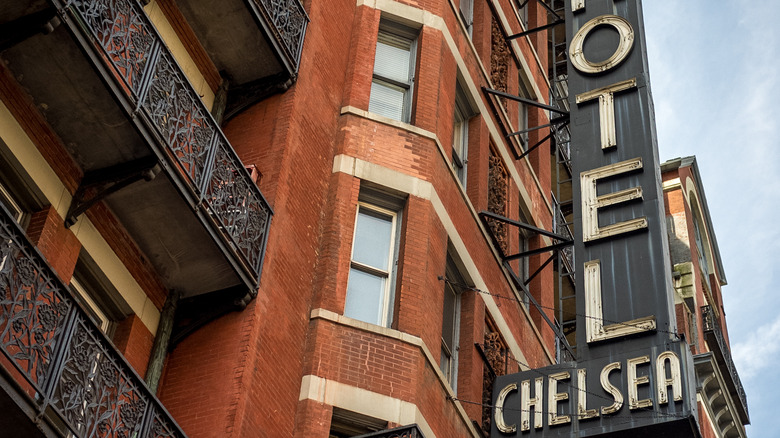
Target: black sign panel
632 371
631 393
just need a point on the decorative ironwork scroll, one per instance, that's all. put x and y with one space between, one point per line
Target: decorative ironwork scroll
290 20
33 307
236 204
69 363
180 118
410 431
125 40
711 326
120 28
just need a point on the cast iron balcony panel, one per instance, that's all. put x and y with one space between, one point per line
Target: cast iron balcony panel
250 40
410 431
158 113
194 141
717 344
74 371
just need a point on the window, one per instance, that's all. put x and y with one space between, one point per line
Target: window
391 88
523 12
460 134
16 212
523 109
523 270
98 297
700 242
10 204
467 13
371 283
345 424
450 326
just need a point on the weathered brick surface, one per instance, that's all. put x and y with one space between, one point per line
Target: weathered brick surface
134 341
58 244
240 375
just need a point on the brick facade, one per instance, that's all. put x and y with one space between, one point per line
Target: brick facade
319 151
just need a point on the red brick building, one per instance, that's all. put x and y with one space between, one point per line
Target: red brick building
273 218
698 281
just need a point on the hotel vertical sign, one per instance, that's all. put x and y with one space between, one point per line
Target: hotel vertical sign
632 374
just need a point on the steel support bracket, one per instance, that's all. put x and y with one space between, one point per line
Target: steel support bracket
97 184
16 31
562 242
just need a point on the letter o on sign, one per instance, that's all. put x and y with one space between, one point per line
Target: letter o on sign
577 56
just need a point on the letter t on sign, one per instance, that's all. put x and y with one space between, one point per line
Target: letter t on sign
606 96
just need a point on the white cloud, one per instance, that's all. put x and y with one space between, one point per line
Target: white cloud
760 350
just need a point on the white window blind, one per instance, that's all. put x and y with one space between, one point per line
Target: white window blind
371 269
393 74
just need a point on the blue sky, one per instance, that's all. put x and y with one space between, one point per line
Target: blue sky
715 82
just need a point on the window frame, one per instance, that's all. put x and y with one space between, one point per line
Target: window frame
98 296
522 111
466 10
389 30
11 204
385 312
455 285
700 240
523 265
462 114
100 318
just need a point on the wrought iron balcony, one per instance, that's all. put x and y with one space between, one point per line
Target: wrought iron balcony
255 44
410 431
717 344
289 22
114 94
75 373
148 77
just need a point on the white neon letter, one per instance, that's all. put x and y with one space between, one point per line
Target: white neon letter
526 402
634 382
625 44
663 382
553 397
606 96
595 330
498 415
611 389
583 413
591 202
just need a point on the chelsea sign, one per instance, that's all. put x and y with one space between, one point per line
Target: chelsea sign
632 375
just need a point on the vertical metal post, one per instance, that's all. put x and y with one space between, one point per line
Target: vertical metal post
161 341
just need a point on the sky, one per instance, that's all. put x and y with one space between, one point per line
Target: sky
714 72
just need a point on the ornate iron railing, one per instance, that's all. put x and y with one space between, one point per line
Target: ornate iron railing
74 371
410 431
711 327
148 82
289 25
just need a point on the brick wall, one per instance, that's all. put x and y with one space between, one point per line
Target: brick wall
250 363
58 244
134 341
